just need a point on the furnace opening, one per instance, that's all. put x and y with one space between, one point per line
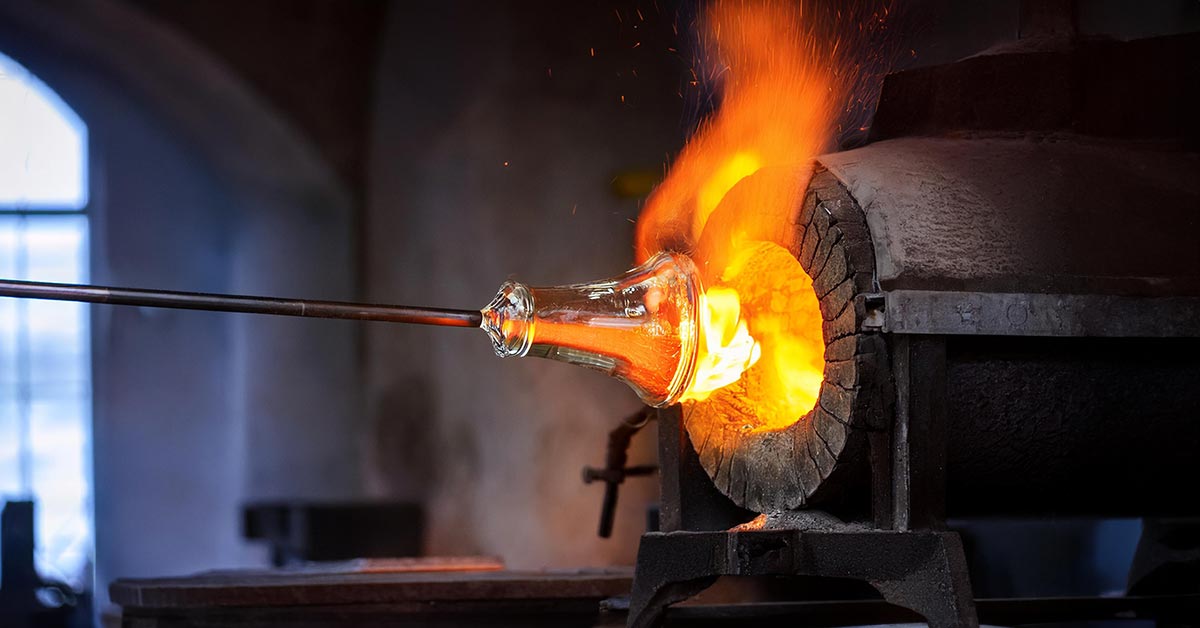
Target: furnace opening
783 315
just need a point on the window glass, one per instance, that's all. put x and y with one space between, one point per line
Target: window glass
42 145
45 371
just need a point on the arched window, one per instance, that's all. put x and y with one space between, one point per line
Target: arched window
45 371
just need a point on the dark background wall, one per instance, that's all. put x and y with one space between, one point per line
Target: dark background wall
391 151
312 61
498 161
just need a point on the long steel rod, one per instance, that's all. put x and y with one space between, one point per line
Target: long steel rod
247 304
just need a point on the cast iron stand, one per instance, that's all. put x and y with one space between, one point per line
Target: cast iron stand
906 554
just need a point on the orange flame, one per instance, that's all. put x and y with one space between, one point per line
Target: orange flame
779 91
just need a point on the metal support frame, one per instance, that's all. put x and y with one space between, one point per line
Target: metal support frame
918 452
948 312
908 557
923 571
615 472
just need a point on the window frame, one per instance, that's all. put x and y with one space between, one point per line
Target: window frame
26 213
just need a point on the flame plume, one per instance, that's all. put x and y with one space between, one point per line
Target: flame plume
780 91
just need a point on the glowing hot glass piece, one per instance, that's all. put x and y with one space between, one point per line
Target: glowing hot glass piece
640 327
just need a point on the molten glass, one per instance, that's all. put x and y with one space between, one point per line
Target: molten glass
652 327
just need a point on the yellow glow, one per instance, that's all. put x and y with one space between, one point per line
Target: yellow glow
726 347
784 317
738 167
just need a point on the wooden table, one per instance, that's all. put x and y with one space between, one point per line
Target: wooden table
318 597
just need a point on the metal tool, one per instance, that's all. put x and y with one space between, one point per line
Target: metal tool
246 304
614 472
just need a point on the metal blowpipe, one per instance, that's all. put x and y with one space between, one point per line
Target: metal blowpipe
641 327
250 305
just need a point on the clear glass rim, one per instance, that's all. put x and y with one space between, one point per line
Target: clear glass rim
689 338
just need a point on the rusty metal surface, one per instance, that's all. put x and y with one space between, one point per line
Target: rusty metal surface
1050 215
1032 314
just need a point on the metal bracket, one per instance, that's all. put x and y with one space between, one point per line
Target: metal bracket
614 472
874 311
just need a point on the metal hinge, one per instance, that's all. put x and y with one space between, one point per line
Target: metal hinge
874 311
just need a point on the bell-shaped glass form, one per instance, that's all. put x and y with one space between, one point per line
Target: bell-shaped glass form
639 327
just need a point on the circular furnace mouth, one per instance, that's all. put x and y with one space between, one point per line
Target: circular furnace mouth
772 441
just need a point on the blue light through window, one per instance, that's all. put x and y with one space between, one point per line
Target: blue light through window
45 376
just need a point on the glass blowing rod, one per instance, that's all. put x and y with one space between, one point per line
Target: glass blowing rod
247 304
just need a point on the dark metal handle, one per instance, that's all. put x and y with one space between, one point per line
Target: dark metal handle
615 471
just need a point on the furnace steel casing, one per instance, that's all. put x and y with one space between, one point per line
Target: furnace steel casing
1013 262
1064 275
